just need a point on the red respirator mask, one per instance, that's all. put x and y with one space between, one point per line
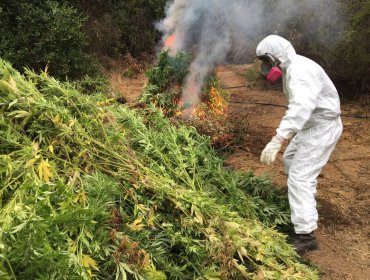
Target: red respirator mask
270 67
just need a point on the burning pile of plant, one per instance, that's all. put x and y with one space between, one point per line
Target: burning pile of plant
93 189
208 114
163 88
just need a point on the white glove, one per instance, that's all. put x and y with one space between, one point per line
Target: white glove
269 153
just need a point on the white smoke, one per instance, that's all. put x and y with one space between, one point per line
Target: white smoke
215 30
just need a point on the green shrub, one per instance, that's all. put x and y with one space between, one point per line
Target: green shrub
252 73
344 50
354 55
44 34
337 36
117 27
347 60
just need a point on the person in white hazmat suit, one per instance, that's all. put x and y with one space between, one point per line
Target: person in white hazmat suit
313 124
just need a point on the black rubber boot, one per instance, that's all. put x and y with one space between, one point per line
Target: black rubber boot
304 243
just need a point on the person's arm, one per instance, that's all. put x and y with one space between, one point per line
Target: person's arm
304 89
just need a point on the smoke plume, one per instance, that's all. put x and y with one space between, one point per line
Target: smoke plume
214 31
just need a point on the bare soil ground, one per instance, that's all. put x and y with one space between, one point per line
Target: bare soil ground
343 187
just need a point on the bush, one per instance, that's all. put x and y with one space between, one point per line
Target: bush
344 50
354 55
44 34
335 35
117 27
340 43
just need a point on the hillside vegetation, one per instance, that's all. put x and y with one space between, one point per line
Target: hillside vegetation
36 35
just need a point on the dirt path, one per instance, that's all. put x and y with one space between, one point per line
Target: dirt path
343 187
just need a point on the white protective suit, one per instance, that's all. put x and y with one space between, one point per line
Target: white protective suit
314 115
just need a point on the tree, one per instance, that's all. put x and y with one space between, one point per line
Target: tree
40 34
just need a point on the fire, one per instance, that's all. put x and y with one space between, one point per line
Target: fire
169 42
199 112
215 104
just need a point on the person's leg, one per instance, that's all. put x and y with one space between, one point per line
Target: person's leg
289 154
314 147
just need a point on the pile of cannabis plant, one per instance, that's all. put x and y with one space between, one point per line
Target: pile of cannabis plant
91 189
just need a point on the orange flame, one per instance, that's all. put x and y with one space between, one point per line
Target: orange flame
217 104
199 112
169 42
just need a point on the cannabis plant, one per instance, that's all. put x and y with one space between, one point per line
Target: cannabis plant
91 189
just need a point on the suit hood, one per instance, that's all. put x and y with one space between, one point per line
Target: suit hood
278 47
